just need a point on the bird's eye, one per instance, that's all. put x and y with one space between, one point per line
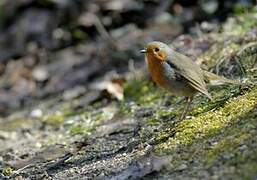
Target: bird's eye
156 49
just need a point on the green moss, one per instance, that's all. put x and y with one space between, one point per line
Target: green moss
218 55
228 45
7 171
209 123
241 9
236 141
89 120
80 129
125 108
225 136
152 122
221 94
228 145
79 34
142 91
241 24
215 135
54 120
16 123
249 170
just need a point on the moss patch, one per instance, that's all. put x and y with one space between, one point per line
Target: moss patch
224 138
209 123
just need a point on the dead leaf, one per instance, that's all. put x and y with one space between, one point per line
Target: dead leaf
113 86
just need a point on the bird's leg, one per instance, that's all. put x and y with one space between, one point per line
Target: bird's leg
186 108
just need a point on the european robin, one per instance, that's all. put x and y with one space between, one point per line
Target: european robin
175 72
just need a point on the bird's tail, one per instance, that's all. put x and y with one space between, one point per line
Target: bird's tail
215 79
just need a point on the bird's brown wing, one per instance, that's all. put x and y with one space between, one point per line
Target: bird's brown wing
192 73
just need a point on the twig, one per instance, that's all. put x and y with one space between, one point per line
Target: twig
104 33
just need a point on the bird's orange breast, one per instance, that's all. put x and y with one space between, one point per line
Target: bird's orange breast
163 75
156 70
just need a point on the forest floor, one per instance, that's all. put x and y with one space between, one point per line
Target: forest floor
124 127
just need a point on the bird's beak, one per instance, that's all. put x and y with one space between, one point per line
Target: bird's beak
143 51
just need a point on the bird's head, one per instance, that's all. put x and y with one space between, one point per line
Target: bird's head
156 50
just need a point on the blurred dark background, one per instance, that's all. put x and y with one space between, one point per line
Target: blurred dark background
49 47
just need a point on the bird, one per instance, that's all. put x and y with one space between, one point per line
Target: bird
176 72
